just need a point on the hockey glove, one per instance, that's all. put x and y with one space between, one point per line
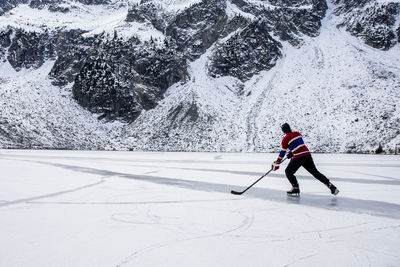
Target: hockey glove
289 155
275 166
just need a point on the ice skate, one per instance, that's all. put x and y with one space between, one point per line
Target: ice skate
334 190
295 192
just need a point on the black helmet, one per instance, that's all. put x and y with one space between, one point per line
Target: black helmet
286 128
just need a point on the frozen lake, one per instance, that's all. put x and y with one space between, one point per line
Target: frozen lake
67 208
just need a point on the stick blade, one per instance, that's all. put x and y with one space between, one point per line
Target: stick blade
236 192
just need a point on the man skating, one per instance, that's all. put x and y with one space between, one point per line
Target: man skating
297 151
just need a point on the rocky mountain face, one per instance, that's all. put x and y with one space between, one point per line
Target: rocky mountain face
372 21
10 4
52 5
27 49
118 76
254 41
121 78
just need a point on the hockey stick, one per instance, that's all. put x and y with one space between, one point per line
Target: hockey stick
239 193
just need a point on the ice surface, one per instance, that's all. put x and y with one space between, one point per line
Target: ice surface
64 208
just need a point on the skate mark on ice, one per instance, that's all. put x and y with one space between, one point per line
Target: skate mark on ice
301 259
55 194
377 175
131 202
244 224
381 228
151 172
353 226
132 219
218 157
371 207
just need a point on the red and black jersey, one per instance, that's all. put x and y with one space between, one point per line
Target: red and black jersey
293 142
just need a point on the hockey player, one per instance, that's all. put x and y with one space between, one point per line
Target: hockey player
294 148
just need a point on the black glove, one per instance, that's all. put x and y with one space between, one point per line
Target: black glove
289 155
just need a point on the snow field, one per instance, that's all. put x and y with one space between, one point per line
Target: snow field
68 208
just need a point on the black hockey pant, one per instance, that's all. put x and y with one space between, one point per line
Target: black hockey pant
308 163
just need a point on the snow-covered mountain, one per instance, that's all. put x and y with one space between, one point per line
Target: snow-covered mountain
205 75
